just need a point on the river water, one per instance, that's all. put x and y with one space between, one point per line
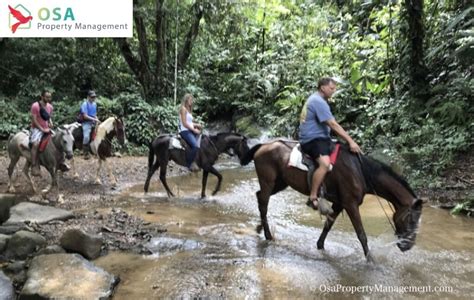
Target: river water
211 249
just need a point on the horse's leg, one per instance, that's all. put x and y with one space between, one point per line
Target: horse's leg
54 181
263 199
219 180
11 168
151 171
354 215
97 179
26 171
74 172
205 174
111 174
328 224
163 167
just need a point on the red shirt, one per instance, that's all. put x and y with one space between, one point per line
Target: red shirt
35 112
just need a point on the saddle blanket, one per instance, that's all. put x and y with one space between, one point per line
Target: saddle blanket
175 142
44 142
296 158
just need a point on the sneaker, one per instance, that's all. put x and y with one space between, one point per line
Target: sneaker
324 207
194 167
321 204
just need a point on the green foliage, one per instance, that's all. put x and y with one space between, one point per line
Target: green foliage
143 121
13 119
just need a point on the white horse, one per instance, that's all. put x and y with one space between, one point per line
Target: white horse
18 145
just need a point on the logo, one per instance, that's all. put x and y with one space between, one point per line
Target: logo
20 17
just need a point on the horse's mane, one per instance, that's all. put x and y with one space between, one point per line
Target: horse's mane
372 167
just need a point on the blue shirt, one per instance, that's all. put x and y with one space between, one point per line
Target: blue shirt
313 117
89 109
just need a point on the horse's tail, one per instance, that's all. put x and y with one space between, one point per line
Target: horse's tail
151 155
248 157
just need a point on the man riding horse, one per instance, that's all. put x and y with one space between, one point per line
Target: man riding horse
88 117
315 128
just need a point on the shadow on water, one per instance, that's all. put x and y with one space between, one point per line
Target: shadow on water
212 250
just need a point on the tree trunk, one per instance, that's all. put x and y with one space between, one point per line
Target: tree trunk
192 34
418 72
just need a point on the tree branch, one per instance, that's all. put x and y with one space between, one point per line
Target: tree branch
192 34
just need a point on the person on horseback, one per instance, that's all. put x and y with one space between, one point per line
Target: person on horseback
316 123
41 123
89 121
189 130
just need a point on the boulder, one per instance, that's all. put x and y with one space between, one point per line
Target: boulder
76 240
66 276
3 241
31 212
6 202
23 243
53 249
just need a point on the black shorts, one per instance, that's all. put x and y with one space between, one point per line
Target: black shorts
317 147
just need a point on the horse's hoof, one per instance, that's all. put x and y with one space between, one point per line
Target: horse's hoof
320 246
11 190
60 198
370 259
75 176
259 229
97 181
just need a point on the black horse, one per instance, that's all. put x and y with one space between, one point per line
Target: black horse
351 178
211 147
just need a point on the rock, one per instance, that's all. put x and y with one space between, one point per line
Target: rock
3 241
6 202
12 228
16 267
54 249
75 240
66 276
6 288
23 243
30 212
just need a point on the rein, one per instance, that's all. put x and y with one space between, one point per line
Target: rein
369 183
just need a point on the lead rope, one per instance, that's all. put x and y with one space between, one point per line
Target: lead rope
377 196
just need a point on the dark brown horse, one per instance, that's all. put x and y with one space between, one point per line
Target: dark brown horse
211 147
351 178
101 146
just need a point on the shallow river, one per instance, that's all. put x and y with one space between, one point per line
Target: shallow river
212 250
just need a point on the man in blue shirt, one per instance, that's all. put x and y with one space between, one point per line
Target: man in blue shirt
316 123
89 116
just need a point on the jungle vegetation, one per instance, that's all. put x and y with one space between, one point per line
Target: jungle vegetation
405 68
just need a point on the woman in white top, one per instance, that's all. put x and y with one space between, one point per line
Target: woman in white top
189 130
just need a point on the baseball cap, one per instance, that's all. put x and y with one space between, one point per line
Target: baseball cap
91 94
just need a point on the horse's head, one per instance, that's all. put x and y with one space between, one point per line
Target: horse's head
241 148
119 130
406 221
65 141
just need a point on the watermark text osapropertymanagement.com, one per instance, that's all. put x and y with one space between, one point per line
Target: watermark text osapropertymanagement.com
379 288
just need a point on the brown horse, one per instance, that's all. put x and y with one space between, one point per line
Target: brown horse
101 146
211 147
351 178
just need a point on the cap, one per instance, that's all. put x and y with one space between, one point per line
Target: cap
91 94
